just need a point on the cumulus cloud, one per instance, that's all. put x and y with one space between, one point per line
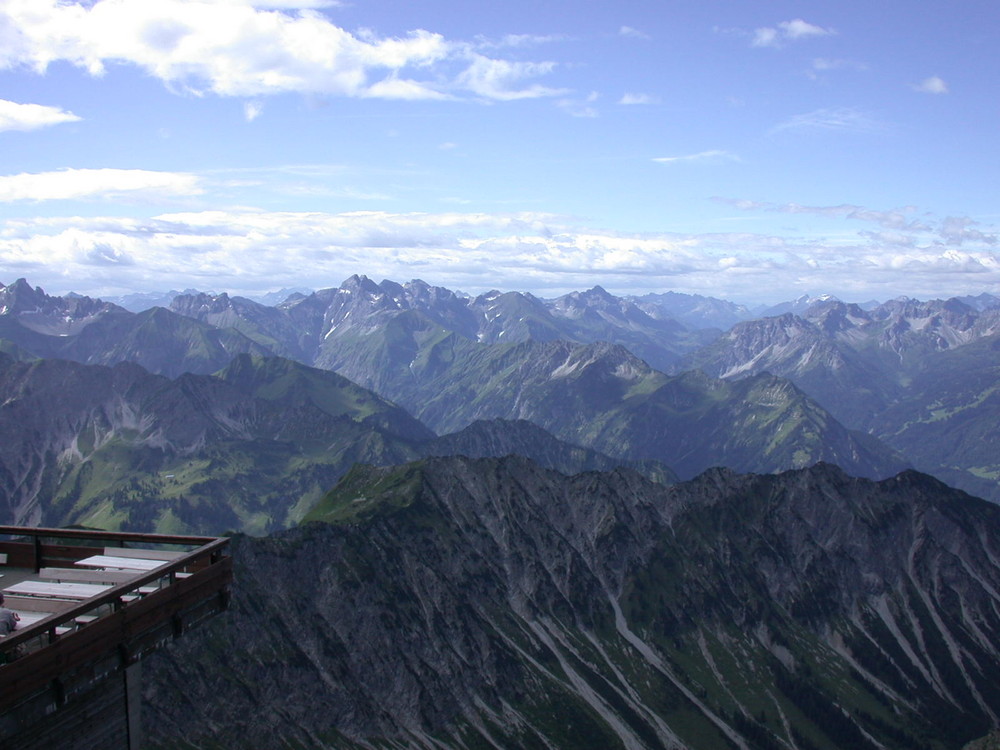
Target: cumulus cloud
499 79
250 48
775 36
932 85
16 116
83 184
715 155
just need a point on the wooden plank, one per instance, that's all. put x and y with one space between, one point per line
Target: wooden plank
122 563
57 590
37 604
87 575
145 554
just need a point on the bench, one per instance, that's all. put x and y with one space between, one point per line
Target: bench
31 609
30 618
37 604
143 554
85 575
49 590
120 563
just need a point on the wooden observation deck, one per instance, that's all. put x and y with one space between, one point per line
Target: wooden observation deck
69 674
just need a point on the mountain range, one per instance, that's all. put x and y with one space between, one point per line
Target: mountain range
248 449
530 540
917 375
863 364
118 453
459 603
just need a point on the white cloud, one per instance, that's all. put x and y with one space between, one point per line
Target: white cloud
252 110
517 40
15 116
542 253
82 184
898 224
252 49
629 98
295 4
769 36
715 155
765 37
633 33
825 63
580 108
799 29
844 119
932 85
956 230
500 79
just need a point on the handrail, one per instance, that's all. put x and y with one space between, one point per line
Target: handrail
114 593
119 536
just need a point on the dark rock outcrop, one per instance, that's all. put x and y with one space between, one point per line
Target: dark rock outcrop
488 603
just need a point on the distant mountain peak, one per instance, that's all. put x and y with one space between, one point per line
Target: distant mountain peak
360 283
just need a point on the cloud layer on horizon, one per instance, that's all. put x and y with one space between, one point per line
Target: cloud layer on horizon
255 251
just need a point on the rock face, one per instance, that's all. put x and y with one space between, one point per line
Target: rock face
919 376
52 316
948 423
855 362
339 328
460 603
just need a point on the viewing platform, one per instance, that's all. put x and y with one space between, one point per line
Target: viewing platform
92 604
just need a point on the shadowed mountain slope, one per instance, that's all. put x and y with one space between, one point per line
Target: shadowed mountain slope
470 604
249 449
603 397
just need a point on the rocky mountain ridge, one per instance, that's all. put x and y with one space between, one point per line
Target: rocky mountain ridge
470 604
917 375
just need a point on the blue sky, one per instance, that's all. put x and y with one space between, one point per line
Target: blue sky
750 151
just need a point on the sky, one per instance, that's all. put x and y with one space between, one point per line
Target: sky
751 151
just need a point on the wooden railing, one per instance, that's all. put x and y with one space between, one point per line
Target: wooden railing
127 625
